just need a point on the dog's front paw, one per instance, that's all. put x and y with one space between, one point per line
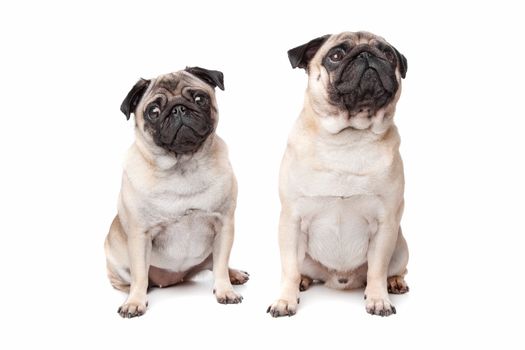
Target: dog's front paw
379 305
282 307
227 296
132 308
238 277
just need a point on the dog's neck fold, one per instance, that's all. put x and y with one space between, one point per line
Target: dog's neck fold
337 129
164 161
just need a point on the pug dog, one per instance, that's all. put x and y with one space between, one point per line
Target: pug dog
341 177
178 196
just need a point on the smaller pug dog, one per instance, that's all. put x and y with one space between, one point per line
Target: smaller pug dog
178 196
341 178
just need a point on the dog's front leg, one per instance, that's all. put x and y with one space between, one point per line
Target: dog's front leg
289 230
380 251
222 246
139 251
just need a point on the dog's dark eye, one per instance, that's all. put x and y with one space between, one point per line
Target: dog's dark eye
336 55
153 112
200 99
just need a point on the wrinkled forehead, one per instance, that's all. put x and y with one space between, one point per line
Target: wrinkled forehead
174 83
355 38
352 38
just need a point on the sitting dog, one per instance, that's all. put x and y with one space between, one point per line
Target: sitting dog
178 196
341 178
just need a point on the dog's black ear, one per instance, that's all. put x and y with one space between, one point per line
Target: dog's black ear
133 97
403 66
211 77
300 56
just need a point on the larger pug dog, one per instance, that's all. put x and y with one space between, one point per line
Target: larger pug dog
178 195
341 178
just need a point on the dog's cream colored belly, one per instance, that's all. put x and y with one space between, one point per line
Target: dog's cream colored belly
185 242
338 230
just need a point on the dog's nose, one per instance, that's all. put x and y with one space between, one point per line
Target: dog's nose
342 280
178 110
366 55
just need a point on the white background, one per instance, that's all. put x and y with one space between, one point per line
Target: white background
65 69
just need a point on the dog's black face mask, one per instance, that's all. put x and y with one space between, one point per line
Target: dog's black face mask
180 123
363 77
178 113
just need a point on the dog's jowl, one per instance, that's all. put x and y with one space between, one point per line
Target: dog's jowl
178 195
341 178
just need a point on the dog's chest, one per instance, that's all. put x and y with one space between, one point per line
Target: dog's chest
172 198
341 172
185 214
340 198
